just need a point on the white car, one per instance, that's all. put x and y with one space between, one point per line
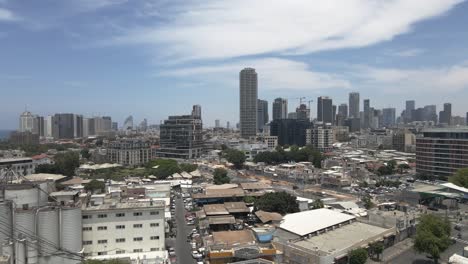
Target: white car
196 254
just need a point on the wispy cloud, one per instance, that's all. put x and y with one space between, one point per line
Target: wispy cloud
7 15
408 53
226 29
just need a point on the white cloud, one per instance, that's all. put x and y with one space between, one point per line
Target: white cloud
273 74
214 29
408 52
7 15
448 79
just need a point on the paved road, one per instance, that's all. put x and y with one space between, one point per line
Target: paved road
182 248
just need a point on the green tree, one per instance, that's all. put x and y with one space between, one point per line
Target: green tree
235 157
220 176
432 235
317 204
460 178
280 202
377 249
85 154
357 256
188 167
95 186
163 168
367 202
249 199
65 163
402 167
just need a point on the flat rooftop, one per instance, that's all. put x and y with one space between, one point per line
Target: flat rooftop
125 205
233 237
345 237
307 222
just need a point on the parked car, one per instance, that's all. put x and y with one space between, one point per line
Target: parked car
196 254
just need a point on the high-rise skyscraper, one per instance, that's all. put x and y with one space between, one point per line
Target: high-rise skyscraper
354 105
280 109
410 107
367 113
67 126
343 110
388 117
325 109
303 112
445 116
128 123
248 95
196 111
217 123
262 114
26 122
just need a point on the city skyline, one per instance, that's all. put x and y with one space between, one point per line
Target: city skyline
116 58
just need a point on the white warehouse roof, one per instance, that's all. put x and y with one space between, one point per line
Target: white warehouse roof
307 222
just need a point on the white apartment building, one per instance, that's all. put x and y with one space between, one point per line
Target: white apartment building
21 166
124 229
320 137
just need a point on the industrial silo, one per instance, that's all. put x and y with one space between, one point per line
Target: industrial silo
71 233
5 223
25 229
48 230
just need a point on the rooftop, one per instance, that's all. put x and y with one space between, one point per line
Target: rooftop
266 217
345 237
236 207
233 237
215 209
307 222
125 205
44 177
254 185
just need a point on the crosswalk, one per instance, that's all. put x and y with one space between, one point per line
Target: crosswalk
460 240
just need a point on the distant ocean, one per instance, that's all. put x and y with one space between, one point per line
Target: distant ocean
4 134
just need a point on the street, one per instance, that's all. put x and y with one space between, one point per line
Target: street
182 248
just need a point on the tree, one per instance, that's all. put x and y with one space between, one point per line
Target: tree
188 167
163 168
367 201
460 178
95 185
377 249
432 235
249 199
280 202
235 157
85 154
65 163
317 204
357 256
402 167
220 176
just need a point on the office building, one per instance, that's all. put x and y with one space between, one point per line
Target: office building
67 126
430 113
262 114
143 125
196 111
404 140
26 122
181 137
303 112
324 110
320 137
354 124
217 123
128 123
388 117
248 95
115 229
20 166
290 131
128 152
343 110
292 115
39 126
228 125
354 105
24 138
367 114
442 151
280 109
115 126
445 116
410 106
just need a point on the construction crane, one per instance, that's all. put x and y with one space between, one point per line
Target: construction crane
310 101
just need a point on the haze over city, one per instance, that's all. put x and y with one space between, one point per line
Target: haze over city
151 59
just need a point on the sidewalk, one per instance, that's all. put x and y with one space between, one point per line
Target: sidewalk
393 251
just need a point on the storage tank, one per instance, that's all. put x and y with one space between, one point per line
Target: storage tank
7 249
21 251
48 229
71 230
24 220
31 247
5 222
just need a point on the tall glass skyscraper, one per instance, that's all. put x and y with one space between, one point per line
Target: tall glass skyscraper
248 95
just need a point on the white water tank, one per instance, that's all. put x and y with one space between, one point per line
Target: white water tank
5 222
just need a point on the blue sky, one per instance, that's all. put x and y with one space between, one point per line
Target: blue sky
151 58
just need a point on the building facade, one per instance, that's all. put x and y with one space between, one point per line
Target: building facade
388 117
290 131
441 152
324 109
181 137
354 105
320 137
248 95
262 114
129 152
280 109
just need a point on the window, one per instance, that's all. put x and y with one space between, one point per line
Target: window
138 250
102 253
137 214
120 215
137 226
87 242
154 213
100 228
87 217
103 241
119 227
102 216
120 252
137 239
87 228
154 224
154 249
120 240
155 238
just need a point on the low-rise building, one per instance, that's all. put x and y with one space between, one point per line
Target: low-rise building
20 166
